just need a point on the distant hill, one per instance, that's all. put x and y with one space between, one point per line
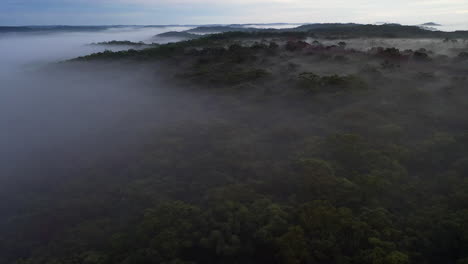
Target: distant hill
218 28
121 43
51 29
308 27
221 29
326 30
376 31
337 30
179 34
432 24
9 29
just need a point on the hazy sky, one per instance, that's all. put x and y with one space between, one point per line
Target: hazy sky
104 12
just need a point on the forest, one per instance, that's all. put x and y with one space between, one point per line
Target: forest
340 144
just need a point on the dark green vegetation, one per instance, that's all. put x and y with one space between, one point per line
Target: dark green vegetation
331 84
123 43
307 153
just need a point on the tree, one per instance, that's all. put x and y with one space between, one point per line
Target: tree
293 246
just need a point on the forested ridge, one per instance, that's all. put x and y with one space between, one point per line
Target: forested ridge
308 153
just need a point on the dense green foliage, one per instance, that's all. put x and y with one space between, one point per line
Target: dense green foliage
330 84
362 204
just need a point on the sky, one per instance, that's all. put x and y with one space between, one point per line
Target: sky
160 12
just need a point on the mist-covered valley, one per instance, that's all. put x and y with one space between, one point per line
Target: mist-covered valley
327 143
47 106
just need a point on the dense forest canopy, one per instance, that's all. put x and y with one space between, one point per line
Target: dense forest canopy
274 146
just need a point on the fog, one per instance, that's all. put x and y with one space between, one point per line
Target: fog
56 116
451 27
351 134
20 51
275 26
53 116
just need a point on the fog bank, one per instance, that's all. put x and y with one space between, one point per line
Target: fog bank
57 116
20 51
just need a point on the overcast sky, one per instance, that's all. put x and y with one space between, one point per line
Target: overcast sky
144 12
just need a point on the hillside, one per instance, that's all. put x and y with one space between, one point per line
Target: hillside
328 143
